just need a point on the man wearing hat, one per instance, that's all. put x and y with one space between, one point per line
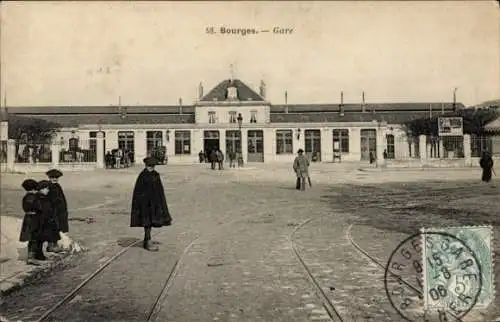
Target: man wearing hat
59 205
30 226
301 168
149 205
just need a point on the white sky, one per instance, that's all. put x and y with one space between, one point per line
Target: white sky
51 53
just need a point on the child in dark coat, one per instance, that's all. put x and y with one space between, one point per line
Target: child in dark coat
31 222
49 223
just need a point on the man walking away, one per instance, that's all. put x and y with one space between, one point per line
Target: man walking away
486 164
213 158
220 159
232 159
149 204
301 168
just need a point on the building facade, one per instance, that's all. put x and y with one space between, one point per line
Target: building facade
232 116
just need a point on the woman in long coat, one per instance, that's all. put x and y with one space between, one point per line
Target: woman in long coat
49 224
486 164
149 205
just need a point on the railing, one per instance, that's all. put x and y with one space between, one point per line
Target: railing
33 152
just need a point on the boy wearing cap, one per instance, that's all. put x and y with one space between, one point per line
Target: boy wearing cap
59 205
49 224
30 226
149 205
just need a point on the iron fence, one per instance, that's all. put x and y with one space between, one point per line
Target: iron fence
445 147
32 152
78 151
478 144
402 148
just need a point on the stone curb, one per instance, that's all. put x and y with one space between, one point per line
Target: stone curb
18 281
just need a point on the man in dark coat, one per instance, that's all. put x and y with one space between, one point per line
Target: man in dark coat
149 205
213 158
486 164
49 229
59 205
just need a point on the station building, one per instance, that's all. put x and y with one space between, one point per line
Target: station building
233 116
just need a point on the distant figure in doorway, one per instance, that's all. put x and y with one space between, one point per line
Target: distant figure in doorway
201 156
372 158
220 159
486 164
232 159
213 158
239 155
149 204
385 154
301 168
109 160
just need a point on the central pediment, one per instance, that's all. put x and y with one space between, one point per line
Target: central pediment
232 90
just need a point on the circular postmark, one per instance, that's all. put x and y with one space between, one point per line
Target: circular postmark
433 276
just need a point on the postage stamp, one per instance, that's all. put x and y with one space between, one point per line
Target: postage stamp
447 290
442 254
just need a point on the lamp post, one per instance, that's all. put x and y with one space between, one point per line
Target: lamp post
240 157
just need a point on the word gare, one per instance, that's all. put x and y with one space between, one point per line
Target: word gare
247 31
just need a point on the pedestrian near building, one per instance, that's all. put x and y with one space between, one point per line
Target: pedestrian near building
232 159
49 223
59 205
31 222
220 159
201 156
301 168
149 205
213 158
486 163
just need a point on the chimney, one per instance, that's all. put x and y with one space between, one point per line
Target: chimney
286 102
341 107
363 106
180 105
200 91
262 89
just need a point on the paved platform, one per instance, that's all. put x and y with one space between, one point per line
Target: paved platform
243 267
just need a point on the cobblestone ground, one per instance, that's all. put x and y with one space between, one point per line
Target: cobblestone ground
242 267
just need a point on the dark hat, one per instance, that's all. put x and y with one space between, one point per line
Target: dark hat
42 184
300 151
54 173
150 162
29 184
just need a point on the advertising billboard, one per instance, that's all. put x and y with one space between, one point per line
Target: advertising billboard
450 126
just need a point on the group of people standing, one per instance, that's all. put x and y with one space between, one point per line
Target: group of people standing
216 158
118 158
45 216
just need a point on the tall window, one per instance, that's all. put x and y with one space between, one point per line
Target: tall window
284 141
253 116
93 141
126 140
211 117
232 117
153 140
389 138
182 142
342 137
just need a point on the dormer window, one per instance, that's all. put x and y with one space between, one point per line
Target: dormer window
232 117
211 117
253 116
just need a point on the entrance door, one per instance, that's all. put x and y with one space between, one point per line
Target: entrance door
368 143
210 141
233 141
313 144
389 138
256 146
126 142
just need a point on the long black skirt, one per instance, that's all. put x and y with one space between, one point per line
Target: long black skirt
30 228
486 177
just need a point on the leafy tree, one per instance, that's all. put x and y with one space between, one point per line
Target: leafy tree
31 130
474 121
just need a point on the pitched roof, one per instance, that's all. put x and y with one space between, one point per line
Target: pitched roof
74 120
219 92
436 107
493 126
78 110
399 117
